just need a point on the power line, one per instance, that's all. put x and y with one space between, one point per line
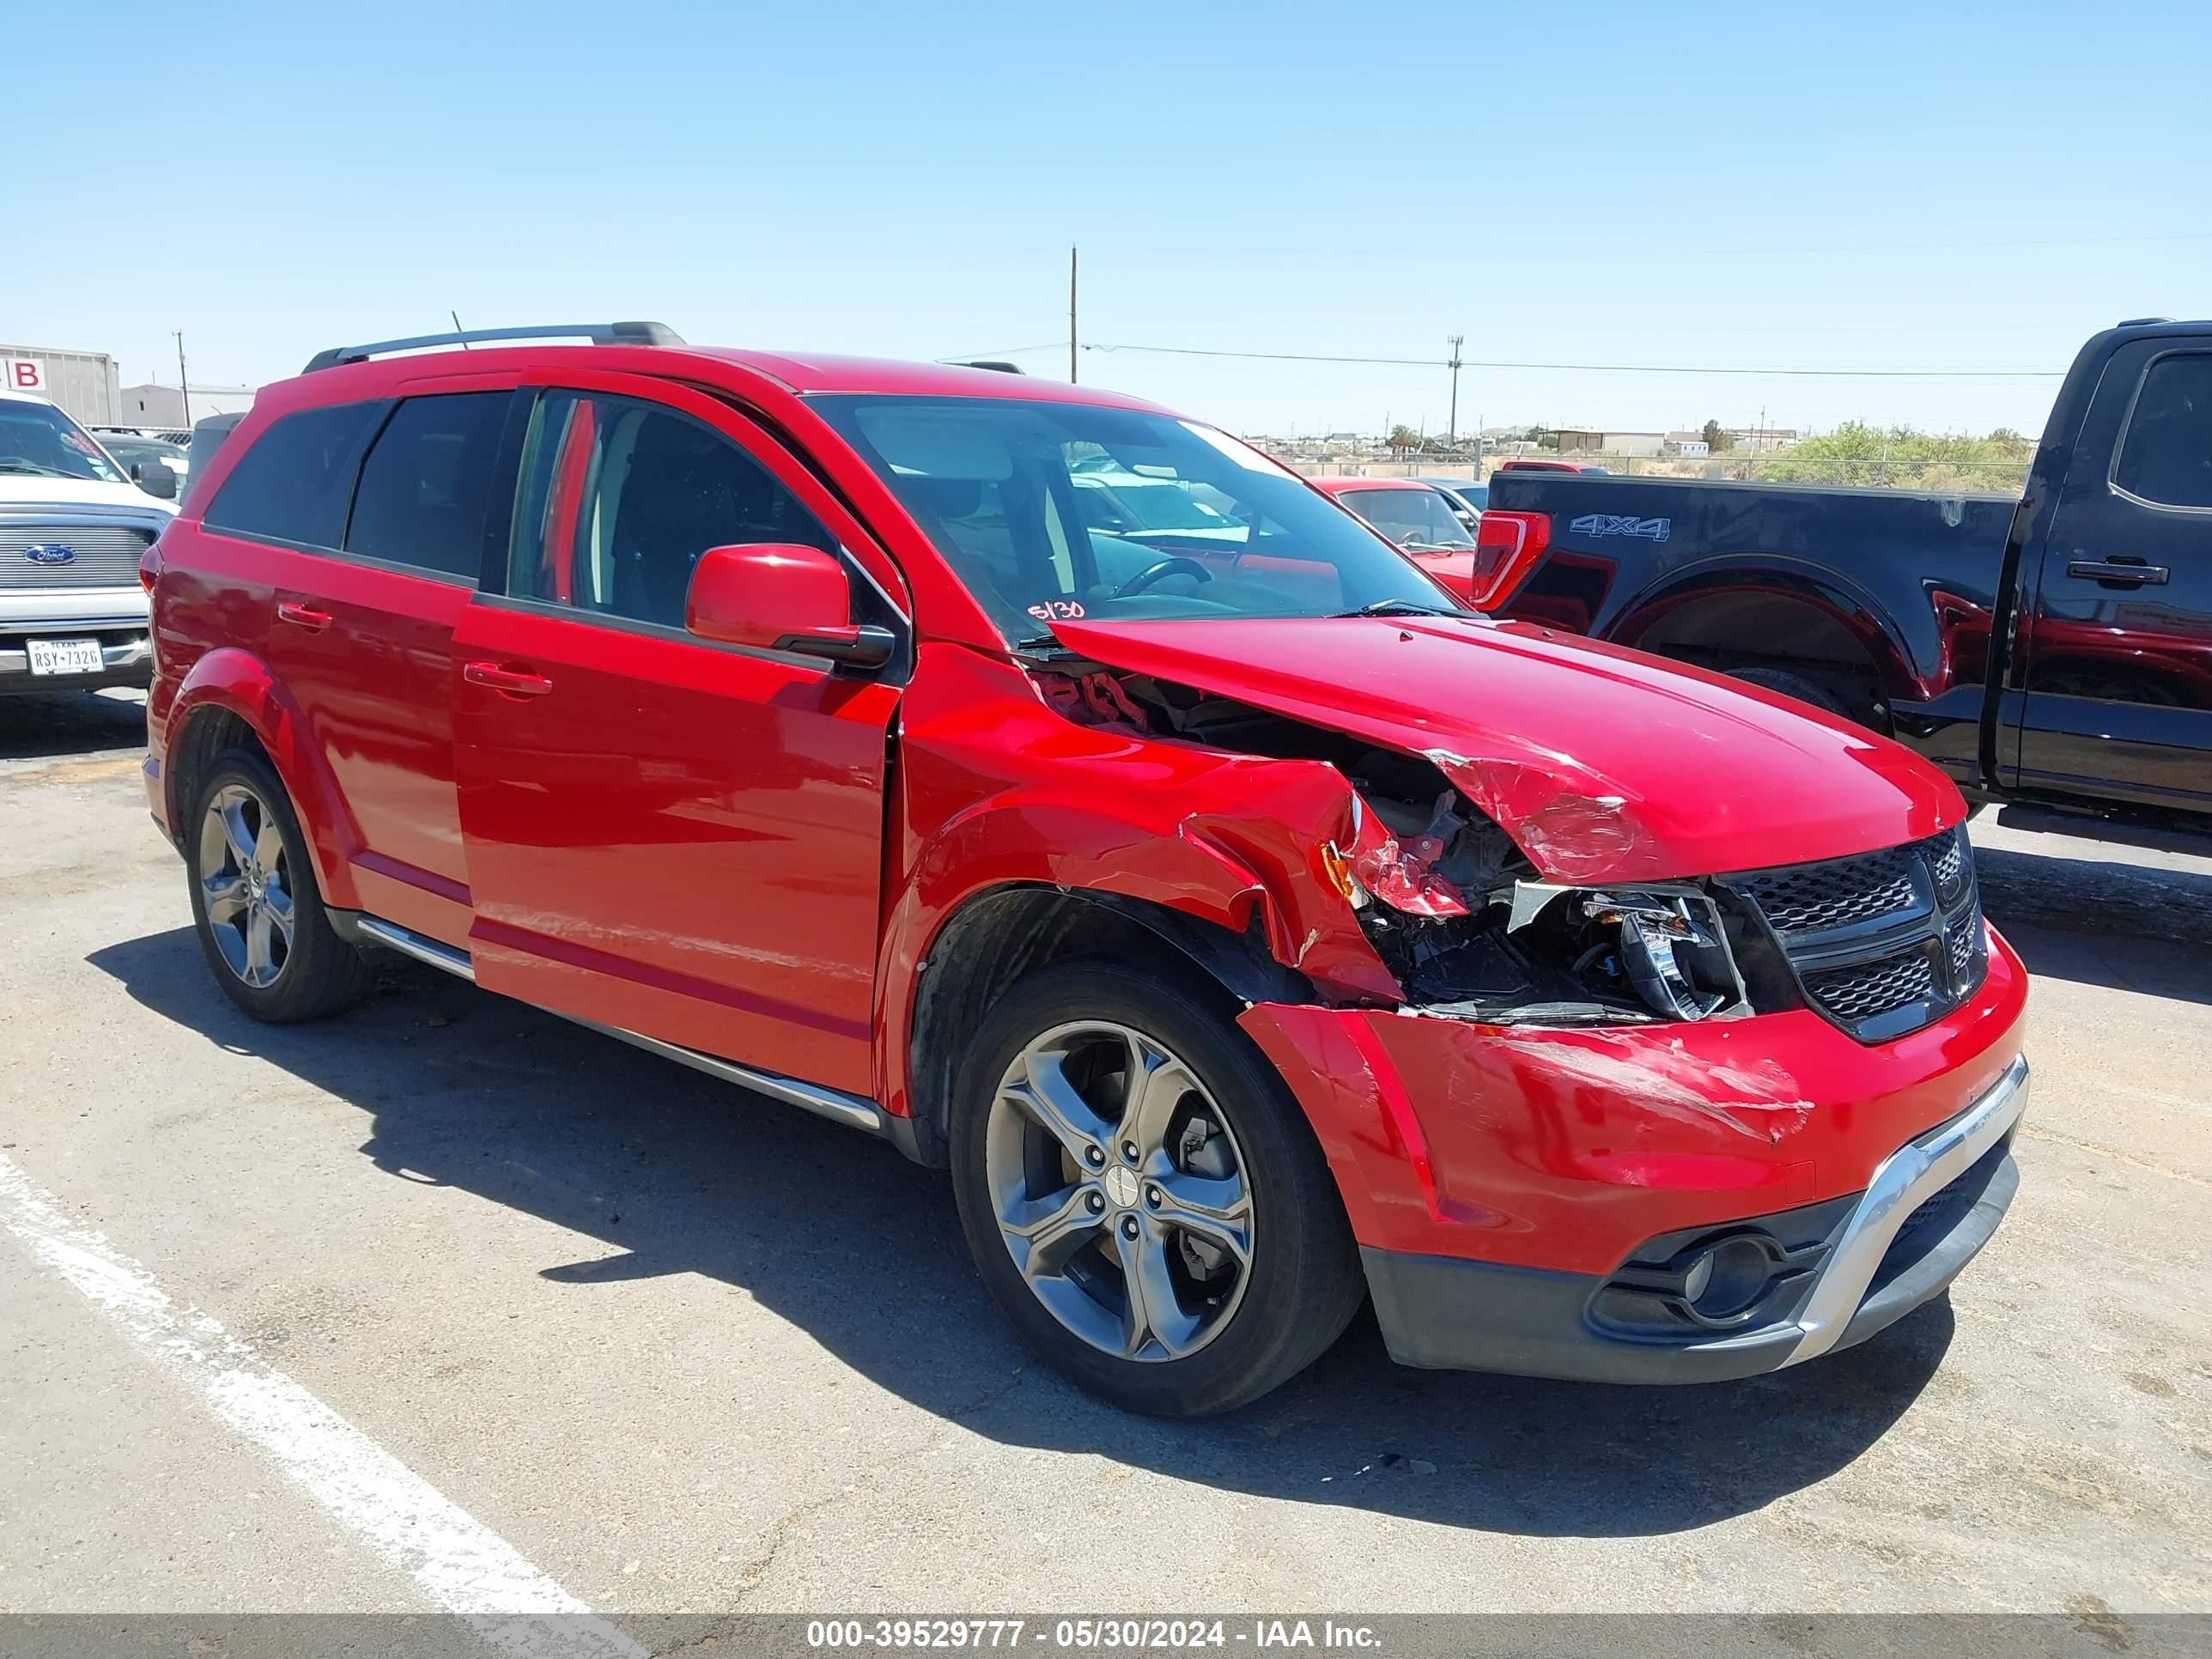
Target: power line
1596 369
1773 247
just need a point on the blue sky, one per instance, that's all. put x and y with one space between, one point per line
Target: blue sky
1878 185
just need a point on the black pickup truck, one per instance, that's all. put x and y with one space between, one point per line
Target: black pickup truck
2054 652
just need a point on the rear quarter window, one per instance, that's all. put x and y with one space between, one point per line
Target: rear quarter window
295 481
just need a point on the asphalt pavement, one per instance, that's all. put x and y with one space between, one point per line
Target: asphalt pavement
674 1348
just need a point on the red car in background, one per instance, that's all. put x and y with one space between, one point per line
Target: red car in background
1248 928
1479 567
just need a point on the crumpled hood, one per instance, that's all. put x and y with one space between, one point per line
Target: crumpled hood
1603 764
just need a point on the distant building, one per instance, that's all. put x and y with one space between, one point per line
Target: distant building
1762 439
155 404
1588 441
81 382
1690 446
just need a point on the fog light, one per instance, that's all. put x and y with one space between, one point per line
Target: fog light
1700 1276
1728 1279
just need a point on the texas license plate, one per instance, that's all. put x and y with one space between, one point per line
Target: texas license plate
65 656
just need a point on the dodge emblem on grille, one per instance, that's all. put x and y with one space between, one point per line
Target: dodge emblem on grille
51 553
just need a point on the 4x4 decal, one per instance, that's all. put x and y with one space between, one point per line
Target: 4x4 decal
1622 524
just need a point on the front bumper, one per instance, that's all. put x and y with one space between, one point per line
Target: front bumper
127 658
1930 1207
117 617
1522 1195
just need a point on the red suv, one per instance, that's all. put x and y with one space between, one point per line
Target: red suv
1248 928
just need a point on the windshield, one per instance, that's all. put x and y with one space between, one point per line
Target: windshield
1411 518
1060 512
38 441
131 450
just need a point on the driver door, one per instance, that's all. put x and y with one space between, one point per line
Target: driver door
670 835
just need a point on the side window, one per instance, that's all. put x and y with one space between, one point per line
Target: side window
426 482
2167 455
620 497
294 483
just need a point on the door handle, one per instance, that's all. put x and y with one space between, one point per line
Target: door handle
302 616
2132 573
507 682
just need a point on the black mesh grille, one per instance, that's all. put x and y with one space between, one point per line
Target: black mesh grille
1883 942
1814 897
1950 864
1966 946
1868 989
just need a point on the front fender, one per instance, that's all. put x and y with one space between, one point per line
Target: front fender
238 682
996 790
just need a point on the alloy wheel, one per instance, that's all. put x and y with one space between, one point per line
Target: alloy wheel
1119 1191
245 886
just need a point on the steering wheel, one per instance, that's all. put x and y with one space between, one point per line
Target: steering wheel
1174 565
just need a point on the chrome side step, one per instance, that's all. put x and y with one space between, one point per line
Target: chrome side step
409 943
850 1109
808 1096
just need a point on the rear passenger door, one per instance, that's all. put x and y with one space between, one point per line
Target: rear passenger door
361 637
2118 635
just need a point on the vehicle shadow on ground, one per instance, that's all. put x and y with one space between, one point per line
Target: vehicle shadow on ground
839 1235
2132 927
35 725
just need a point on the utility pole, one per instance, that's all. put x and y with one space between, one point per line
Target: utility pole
1457 341
1071 317
184 385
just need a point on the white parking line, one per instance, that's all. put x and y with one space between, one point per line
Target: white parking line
464 1566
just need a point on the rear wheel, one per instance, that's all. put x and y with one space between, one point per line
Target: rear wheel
1794 685
1142 1195
260 918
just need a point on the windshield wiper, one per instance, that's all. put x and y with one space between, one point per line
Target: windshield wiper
1399 608
12 464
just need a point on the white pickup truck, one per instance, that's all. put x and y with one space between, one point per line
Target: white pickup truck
73 527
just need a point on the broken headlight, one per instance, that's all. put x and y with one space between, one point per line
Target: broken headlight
1401 872
1664 946
1674 955
1470 929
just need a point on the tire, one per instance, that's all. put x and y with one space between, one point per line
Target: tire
1221 1329
246 860
1794 685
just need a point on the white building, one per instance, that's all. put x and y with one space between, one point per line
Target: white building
156 405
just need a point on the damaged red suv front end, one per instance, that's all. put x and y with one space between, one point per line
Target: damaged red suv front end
1699 1059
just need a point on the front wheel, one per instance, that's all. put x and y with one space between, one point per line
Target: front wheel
1143 1196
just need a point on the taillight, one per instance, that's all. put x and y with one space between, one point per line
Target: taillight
1506 547
150 565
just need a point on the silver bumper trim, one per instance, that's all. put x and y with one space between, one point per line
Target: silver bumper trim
1908 1177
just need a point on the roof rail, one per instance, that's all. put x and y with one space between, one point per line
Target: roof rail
655 334
991 363
2140 322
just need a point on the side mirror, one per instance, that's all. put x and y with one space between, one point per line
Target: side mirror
781 596
155 478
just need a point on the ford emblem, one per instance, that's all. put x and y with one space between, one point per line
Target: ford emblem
51 553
